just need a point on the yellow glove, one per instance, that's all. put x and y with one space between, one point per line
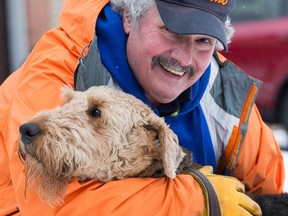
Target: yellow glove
231 195
206 170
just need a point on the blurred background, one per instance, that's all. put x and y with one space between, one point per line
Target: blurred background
22 23
259 47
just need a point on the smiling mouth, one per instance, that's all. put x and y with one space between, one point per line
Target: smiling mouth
177 73
173 66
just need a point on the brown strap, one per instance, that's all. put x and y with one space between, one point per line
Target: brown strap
213 207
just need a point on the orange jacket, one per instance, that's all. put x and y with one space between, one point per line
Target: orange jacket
36 86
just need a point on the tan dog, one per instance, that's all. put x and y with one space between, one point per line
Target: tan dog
97 134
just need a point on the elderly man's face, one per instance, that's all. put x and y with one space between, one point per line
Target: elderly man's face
165 64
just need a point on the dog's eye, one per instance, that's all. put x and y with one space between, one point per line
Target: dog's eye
95 112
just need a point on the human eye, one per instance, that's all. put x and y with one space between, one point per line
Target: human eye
168 33
163 28
205 43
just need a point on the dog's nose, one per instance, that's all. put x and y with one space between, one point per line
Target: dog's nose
28 131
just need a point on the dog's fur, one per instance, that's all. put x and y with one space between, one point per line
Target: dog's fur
100 134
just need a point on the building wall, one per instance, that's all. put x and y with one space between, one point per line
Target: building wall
55 9
22 23
42 15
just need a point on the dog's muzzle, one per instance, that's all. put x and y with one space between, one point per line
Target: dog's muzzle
28 131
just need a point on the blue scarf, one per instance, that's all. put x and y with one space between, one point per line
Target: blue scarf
190 124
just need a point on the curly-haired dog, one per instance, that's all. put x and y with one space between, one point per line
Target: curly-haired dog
99 134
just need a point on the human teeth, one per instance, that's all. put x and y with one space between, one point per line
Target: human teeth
178 73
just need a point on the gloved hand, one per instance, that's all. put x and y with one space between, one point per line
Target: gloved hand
231 195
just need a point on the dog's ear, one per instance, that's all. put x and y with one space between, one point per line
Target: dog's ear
171 153
67 93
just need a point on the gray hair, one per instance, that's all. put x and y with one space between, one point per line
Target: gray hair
138 8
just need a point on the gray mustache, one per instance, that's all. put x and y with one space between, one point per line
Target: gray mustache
173 64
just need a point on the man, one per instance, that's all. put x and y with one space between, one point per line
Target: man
163 54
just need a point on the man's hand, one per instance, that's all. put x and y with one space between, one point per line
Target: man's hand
231 195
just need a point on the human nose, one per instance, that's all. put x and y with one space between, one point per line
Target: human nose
183 51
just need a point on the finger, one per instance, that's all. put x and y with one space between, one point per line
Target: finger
228 181
237 184
249 205
243 212
206 170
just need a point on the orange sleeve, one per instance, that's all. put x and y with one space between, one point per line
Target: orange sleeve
133 196
260 166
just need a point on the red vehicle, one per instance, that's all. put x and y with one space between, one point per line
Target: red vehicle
260 47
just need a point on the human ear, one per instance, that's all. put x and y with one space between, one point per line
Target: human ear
126 22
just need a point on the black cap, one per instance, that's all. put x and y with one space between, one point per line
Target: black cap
205 17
